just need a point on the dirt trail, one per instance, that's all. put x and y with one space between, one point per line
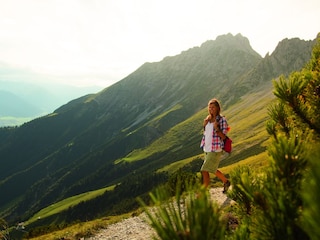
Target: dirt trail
136 228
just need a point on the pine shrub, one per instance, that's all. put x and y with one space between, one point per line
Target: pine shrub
187 216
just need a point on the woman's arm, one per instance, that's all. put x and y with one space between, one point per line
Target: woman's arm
206 120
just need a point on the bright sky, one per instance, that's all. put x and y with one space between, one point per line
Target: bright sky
99 42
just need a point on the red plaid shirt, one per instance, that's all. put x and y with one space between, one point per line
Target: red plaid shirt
217 143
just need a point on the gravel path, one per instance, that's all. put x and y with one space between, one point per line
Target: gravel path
136 228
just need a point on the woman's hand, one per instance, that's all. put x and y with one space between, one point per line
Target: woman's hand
206 120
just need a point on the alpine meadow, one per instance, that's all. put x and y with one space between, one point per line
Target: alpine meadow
95 155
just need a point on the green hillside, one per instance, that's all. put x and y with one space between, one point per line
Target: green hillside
246 118
58 207
248 134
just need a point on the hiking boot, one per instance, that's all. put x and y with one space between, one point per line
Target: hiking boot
226 186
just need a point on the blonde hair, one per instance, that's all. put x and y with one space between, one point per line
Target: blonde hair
216 103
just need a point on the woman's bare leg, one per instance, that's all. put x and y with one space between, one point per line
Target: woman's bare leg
221 176
205 178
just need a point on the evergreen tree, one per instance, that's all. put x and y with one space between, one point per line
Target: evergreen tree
282 201
299 96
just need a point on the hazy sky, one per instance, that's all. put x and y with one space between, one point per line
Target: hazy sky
88 42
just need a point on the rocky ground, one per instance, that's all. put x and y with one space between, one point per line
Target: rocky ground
136 228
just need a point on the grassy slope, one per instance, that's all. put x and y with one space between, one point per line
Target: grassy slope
66 203
247 121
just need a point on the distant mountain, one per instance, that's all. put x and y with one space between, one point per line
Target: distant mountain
24 99
142 123
13 105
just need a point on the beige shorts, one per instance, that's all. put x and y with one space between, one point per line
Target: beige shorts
211 161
